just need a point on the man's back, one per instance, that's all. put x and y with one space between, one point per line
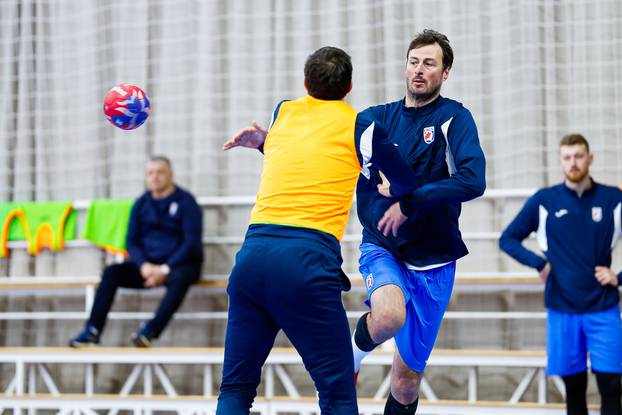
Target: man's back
310 166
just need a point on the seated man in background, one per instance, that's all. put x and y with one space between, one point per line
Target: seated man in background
165 248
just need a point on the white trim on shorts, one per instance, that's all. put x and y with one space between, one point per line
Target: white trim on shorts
425 268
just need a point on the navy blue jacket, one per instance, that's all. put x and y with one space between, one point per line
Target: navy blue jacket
575 234
441 144
166 231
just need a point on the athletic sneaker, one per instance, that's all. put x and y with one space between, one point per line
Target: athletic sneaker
143 337
87 337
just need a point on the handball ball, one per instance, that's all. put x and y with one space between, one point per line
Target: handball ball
126 106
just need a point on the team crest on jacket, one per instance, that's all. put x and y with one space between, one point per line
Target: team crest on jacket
428 134
597 213
369 281
172 208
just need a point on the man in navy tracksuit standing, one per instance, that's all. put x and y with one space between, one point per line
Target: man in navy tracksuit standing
408 255
577 224
165 248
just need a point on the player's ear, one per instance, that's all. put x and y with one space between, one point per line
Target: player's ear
306 86
350 87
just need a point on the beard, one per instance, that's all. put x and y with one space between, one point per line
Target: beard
577 176
422 96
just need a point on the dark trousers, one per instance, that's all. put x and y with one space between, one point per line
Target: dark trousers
279 284
127 275
609 387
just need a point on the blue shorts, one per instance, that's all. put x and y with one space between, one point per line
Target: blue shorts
570 336
426 294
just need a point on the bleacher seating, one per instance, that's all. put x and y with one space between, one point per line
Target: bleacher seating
149 368
480 366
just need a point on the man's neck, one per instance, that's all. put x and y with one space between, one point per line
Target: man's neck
579 187
412 102
163 193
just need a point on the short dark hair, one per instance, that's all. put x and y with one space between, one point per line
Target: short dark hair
574 139
328 73
430 37
159 157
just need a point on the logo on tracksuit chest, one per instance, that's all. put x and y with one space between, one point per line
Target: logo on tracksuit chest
560 213
597 213
428 135
172 208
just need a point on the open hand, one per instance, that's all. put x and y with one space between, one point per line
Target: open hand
147 270
154 281
251 137
605 276
156 278
392 220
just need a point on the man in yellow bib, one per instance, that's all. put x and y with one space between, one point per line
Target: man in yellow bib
287 273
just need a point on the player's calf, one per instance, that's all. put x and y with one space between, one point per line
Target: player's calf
405 383
394 407
610 389
362 343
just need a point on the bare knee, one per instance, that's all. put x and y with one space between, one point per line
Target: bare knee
384 323
388 313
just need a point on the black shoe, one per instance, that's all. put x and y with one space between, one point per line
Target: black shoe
143 337
87 337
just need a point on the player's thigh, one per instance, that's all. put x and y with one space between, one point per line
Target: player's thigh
251 330
388 303
322 339
306 301
249 338
321 334
184 275
603 332
125 274
312 315
383 276
565 344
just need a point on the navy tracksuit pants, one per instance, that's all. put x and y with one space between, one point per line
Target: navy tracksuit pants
127 275
293 284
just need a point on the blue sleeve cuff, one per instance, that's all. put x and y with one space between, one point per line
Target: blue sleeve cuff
407 205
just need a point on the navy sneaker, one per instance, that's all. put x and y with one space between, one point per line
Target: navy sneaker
143 337
87 337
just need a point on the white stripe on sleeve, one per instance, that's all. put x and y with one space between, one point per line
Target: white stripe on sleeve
365 147
617 224
449 157
541 232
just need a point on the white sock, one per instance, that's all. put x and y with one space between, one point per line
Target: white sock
359 355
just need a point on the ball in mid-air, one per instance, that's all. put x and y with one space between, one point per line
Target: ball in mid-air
126 106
